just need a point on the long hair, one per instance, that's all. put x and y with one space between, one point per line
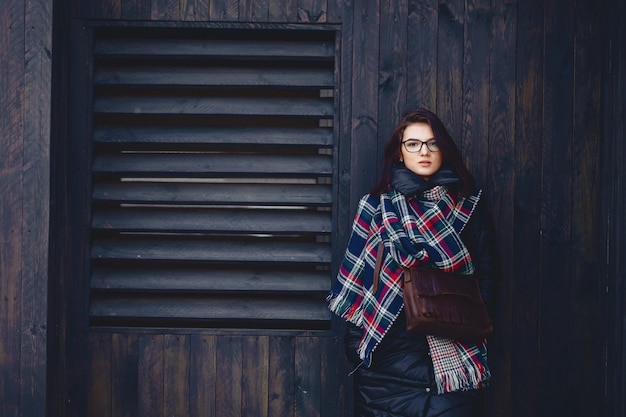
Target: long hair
449 151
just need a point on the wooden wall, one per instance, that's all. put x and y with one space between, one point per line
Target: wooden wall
25 94
532 91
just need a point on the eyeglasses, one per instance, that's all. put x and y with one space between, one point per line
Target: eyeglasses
415 145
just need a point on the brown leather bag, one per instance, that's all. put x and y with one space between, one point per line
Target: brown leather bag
442 304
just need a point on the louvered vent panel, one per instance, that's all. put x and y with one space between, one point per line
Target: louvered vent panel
212 178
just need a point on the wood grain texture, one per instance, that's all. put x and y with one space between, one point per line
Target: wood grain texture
281 377
255 380
307 376
474 139
35 204
527 208
392 70
176 370
587 286
203 378
151 376
556 204
450 52
500 189
228 390
422 49
124 376
364 129
14 237
99 382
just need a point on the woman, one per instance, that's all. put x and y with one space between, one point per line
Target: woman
397 372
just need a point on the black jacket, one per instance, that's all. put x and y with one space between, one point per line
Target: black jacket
400 381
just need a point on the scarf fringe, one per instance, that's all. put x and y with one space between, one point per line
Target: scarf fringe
463 379
344 309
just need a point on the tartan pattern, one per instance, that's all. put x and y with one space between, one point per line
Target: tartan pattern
414 232
457 365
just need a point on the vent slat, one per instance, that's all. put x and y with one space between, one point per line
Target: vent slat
212 175
172 165
213 106
213 135
209 280
232 251
215 48
213 194
208 309
216 221
214 77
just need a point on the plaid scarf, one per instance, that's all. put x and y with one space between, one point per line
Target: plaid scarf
414 232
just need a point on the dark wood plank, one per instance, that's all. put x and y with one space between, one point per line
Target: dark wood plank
13 228
587 220
364 126
210 308
613 176
173 165
214 106
124 378
225 194
164 10
500 189
107 9
392 69
72 307
421 54
208 279
223 10
346 199
203 377
98 383
307 376
253 10
281 376
333 386
228 392
556 205
283 11
194 10
312 11
182 250
222 47
255 371
210 220
450 37
176 368
35 204
213 135
527 207
151 375
474 139
162 76
136 9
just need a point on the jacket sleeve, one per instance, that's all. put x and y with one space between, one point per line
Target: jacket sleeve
479 237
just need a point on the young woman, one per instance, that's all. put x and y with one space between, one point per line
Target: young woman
427 211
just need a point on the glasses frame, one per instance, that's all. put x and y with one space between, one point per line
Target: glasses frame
422 143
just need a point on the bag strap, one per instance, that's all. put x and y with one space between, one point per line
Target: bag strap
379 262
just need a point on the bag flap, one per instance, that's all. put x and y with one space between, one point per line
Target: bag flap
431 282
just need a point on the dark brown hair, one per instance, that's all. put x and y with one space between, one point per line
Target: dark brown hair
450 153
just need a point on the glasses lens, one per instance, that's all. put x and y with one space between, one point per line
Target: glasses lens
414 145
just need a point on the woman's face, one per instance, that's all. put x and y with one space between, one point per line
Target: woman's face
422 160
